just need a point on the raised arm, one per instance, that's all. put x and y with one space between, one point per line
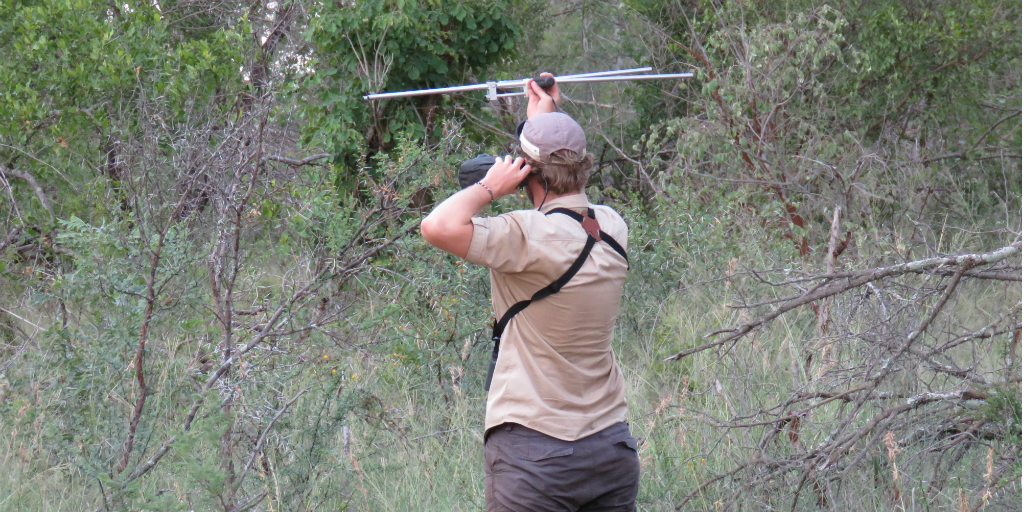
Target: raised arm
449 226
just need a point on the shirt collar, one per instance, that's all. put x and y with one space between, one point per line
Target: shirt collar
571 201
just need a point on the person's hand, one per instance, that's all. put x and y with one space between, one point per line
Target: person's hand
505 175
541 101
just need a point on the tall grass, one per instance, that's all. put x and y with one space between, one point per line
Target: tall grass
424 450
394 422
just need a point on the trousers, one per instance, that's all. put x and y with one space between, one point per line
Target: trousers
527 471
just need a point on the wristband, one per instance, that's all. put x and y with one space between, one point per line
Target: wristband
487 189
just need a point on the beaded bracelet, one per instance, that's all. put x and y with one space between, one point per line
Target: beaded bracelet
487 189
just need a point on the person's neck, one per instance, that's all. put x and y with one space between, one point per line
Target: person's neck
538 198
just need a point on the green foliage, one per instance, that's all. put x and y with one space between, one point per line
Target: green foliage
122 111
395 45
945 56
73 68
1004 407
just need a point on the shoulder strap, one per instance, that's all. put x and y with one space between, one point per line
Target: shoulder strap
605 237
555 286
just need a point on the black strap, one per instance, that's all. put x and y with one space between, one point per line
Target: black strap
554 287
550 289
605 237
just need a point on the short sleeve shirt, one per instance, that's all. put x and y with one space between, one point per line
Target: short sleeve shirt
556 372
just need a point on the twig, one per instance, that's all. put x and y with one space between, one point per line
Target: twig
984 332
596 104
424 436
250 503
992 273
296 163
26 176
10 238
843 445
712 480
263 334
151 295
963 154
263 437
950 287
15 315
638 165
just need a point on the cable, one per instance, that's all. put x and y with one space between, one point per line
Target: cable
545 192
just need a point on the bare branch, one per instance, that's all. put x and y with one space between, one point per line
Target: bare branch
712 480
40 194
262 335
297 163
151 296
250 503
639 167
963 154
263 437
856 279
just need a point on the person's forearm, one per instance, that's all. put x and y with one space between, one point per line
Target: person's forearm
449 226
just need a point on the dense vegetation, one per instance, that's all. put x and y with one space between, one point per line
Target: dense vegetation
213 295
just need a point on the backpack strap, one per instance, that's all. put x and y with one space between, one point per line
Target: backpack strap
592 228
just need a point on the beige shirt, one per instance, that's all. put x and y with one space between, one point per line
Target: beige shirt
556 372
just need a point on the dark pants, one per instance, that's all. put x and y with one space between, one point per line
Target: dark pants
530 471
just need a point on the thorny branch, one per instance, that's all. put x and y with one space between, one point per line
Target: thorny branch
151 297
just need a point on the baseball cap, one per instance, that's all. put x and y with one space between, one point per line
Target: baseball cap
544 134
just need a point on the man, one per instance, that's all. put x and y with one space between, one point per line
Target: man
556 437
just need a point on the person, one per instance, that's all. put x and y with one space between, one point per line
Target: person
555 432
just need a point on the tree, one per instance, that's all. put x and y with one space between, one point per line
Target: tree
395 45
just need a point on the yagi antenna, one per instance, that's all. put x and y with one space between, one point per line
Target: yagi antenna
492 88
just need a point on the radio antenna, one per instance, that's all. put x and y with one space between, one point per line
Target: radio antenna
492 88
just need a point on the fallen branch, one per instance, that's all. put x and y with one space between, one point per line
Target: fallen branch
855 279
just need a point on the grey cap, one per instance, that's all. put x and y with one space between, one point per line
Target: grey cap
544 134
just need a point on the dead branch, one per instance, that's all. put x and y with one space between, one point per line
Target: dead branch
263 437
40 193
854 280
297 163
988 331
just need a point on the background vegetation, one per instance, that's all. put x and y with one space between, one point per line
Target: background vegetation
213 295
